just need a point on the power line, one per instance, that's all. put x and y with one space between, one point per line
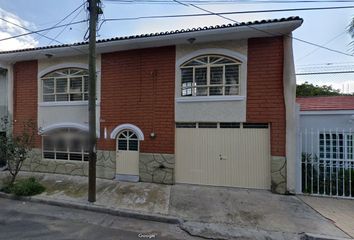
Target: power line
210 2
66 26
38 32
62 20
226 13
327 64
176 16
326 43
269 33
320 73
41 30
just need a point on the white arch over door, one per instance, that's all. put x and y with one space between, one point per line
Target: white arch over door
127 126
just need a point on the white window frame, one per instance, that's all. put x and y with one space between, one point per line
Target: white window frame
69 76
128 136
208 85
83 153
348 149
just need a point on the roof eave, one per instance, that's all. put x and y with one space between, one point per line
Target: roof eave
210 35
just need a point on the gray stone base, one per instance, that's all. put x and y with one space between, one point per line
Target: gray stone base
278 174
127 178
157 168
105 168
153 167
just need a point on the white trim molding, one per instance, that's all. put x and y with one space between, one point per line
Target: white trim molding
328 112
79 126
61 66
65 103
210 99
127 126
212 51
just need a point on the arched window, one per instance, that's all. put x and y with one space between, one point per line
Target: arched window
65 144
128 141
69 84
210 75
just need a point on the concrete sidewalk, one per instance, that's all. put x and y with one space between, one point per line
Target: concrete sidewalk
217 212
340 211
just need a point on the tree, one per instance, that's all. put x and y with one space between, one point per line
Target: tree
15 149
309 90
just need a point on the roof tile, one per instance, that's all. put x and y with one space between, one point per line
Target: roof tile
326 103
161 33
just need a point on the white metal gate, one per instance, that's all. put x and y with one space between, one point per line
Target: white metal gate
327 162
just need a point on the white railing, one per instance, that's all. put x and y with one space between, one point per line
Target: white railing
327 162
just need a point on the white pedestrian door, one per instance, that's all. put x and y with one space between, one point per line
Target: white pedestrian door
127 153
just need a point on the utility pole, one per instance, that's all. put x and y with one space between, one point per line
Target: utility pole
93 9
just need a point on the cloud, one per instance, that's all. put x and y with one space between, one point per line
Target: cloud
9 30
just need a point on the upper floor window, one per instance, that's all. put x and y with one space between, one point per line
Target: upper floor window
210 75
69 84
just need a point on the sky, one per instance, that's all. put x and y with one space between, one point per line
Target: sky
324 27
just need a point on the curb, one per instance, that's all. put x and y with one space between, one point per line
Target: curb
311 236
97 208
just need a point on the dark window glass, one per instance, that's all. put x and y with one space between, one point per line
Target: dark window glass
230 125
75 157
122 144
231 74
207 125
201 76
216 74
255 125
133 145
61 156
186 125
49 155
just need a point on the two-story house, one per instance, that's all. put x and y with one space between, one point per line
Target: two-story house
212 106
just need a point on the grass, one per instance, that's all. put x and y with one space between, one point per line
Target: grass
24 187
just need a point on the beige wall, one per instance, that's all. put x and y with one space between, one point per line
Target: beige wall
289 80
220 109
73 112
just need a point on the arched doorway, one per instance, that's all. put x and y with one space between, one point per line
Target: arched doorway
128 139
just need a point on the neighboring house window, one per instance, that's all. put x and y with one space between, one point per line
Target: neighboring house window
65 144
128 141
210 75
69 84
336 146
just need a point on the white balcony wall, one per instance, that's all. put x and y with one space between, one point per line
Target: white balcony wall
56 113
215 108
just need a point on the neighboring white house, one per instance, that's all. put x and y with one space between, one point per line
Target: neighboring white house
326 137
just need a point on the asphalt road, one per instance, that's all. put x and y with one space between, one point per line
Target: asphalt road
26 220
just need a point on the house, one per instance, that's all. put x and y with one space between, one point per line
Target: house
326 137
212 106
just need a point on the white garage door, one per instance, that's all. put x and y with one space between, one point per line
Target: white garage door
236 157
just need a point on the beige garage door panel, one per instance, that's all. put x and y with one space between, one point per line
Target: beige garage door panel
223 157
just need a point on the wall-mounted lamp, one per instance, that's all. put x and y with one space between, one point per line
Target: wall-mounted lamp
48 55
191 40
152 135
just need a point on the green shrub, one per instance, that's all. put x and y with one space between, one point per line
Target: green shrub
25 187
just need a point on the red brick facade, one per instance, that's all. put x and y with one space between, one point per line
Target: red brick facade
138 87
265 92
25 96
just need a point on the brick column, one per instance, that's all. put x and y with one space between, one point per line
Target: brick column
265 100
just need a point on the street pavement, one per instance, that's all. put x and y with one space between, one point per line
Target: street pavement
27 220
205 211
